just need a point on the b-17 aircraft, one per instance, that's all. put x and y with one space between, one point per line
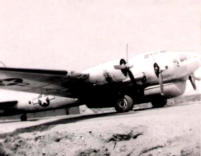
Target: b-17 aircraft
150 77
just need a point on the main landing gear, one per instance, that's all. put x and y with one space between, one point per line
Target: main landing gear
124 104
23 117
159 102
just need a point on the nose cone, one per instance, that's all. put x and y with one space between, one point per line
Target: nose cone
197 59
191 60
194 61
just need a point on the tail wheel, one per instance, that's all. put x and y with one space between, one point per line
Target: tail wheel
158 103
124 104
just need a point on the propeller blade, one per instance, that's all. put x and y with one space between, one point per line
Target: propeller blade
131 76
125 69
120 67
196 78
160 79
156 69
123 65
159 75
192 80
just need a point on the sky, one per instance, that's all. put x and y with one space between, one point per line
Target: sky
78 34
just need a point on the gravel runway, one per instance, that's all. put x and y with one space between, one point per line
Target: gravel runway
172 130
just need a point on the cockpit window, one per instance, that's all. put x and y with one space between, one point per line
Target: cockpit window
182 58
175 61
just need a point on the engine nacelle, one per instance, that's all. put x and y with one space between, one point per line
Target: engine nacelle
172 89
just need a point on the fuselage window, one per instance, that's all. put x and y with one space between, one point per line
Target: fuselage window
182 58
176 62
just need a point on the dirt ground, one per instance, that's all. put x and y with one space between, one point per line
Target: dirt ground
171 131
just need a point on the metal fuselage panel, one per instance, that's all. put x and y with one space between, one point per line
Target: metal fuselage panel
172 89
174 65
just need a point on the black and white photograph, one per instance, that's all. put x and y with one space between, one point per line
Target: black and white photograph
100 77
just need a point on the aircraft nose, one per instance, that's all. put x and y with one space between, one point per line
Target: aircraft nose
191 60
197 58
195 61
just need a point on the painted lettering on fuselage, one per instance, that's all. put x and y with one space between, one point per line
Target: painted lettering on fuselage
153 54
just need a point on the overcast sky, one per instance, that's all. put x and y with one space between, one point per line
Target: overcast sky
77 34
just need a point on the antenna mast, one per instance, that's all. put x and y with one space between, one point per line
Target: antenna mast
127 52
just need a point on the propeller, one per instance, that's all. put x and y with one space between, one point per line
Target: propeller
192 79
125 69
159 75
196 76
123 64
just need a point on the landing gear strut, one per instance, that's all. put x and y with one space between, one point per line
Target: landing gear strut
23 117
159 102
124 104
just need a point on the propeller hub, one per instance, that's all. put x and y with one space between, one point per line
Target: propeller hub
159 75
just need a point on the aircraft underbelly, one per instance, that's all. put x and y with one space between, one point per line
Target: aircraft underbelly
172 89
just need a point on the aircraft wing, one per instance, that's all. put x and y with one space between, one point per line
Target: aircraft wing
55 82
7 104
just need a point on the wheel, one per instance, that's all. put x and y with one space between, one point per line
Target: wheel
23 117
124 104
158 103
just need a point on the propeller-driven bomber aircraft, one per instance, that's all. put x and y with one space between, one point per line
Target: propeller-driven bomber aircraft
150 77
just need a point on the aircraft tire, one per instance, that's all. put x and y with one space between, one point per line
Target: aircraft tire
158 103
23 117
124 104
